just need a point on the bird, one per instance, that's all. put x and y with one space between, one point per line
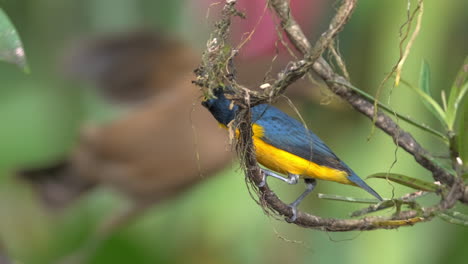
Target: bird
283 145
163 145
136 153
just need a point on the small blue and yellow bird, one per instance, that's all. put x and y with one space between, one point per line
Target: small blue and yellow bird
282 144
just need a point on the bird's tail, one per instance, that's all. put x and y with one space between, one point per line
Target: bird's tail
359 182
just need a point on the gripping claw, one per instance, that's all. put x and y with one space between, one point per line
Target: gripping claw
293 178
310 185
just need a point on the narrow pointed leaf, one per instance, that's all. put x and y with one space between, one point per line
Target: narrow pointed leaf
425 83
429 102
392 111
462 133
454 107
425 78
454 218
458 91
373 208
347 199
11 48
408 181
465 176
445 164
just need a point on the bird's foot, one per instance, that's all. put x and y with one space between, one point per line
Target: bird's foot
293 217
310 185
293 178
263 182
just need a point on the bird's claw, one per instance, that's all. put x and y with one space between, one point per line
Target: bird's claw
263 182
293 217
264 177
293 179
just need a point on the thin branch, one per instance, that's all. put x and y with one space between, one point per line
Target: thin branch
407 119
297 37
339 86
339 61
312 60
405 54
268 197
272 202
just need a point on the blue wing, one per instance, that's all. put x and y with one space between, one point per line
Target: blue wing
286 133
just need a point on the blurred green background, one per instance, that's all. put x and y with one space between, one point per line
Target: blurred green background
217 221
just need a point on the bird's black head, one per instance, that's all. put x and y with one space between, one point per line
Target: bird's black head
220 107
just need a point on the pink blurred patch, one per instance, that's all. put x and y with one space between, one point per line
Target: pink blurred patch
262 43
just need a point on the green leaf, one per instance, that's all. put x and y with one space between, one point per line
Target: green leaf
429 102
454 217
443 163
462 133
374 208
408 181
458 91
346 198
392 111
425 78
465 176
11 48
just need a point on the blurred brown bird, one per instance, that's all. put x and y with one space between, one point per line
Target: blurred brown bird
162 147
128 67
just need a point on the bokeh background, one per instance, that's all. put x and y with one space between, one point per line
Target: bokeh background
217 221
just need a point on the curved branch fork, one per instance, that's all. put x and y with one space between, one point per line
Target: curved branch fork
270 201
213 71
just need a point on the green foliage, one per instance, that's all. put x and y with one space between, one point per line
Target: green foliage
454 218
452 114
424 92
218 222
448 114
459 101
393 203
392 111
334 197
424 95
11 48
458 92
408 181
425 78
462 139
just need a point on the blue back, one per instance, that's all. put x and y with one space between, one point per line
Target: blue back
285 133
280 131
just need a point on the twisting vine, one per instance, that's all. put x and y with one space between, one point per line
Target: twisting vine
214 72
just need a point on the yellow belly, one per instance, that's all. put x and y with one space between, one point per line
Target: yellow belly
284 162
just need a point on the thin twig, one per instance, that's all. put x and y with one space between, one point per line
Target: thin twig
297 37
312 60
339 86
407 119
